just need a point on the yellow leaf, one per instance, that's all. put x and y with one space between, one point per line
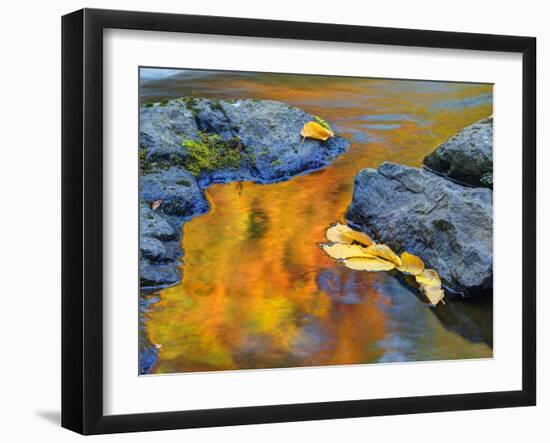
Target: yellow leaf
340 251
368 264
430 285
316 131
411 264
429 277
340 233
385 253
360 237
433 293
359 252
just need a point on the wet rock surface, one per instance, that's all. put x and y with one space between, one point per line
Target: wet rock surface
448 225
467 156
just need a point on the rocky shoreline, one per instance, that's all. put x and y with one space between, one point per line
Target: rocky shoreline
442 213
190 143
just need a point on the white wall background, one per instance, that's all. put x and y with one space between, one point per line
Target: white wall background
30 219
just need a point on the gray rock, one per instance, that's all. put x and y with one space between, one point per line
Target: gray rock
161 129
448 225
153 224
466 156
272 130
158 275
177 190
269 130
152 249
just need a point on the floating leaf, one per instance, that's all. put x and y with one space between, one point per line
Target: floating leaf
385 253
316 131
359 252
360 237
340 251
340 233
429 277
368 264
411 264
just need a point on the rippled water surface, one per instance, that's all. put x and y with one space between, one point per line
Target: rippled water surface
258 292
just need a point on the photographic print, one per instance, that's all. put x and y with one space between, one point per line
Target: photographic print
291 220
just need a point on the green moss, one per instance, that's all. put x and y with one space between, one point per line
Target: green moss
216 105
442 225
192 103
148 105
277 162
164 102
323 123
145 165
211 153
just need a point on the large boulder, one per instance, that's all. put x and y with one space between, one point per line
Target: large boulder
467 156
269 132
448 225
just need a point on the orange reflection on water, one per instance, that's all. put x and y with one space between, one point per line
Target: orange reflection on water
258 292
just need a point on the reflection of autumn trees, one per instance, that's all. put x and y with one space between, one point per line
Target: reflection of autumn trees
258 292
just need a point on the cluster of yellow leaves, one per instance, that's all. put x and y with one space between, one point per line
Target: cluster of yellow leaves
316 131
357 251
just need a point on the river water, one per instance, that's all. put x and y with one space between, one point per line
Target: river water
258 292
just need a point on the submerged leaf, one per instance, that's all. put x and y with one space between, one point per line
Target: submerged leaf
340 233
411 264
368 264
316 131
385 253
156 204
433 293
430 285
340 251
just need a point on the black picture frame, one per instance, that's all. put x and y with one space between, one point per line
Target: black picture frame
82 218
